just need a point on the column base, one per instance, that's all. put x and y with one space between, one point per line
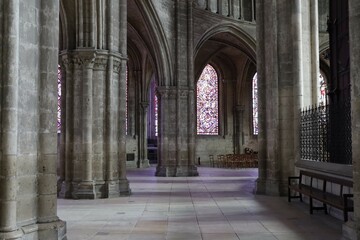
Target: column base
271 187
84 190
54 230
180 171
145 163
50 231
16 234
186 171
66 190
124 187
162 171
112 189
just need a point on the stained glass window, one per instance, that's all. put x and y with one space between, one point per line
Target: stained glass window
156 111
322 90
255 105
208 102
59 101
126 103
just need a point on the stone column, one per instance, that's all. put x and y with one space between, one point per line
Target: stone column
68 125
277 123
111 127
207 6
253 10
123 182
315 58
28 133
219 7
143 157
9 122
85 188
191 102
47 220
167 151
176 149
230 8
354 31
241 14
238 126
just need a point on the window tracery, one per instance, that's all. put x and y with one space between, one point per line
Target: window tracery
208 102
255 105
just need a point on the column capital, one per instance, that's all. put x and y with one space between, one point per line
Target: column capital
144 105
184 92
167 91
66 61
239 108
85 57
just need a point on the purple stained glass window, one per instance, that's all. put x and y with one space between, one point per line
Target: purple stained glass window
156 111
59 101
208 102
255 105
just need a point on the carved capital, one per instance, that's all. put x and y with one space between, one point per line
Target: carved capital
85 58
144 106
66 62
184 93
117 65
239 108
167 92
101 63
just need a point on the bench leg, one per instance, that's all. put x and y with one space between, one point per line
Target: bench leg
325 208
289 197
301 197
311 205
345 215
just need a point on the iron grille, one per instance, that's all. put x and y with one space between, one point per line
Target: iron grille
325 134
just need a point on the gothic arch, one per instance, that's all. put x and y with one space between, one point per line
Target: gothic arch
67 32
248 44
159 45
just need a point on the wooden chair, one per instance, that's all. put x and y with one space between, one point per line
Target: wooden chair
211 160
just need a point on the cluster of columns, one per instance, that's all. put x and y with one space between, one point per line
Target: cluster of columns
28 138
177 118
93 131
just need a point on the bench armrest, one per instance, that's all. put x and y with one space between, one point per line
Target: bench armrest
292 178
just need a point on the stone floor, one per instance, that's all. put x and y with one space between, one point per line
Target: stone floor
217 205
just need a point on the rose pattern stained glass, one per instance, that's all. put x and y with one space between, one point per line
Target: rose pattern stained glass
255 105
208 102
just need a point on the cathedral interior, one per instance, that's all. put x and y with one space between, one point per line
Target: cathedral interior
118 118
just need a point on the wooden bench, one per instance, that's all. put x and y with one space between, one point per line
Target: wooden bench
316 186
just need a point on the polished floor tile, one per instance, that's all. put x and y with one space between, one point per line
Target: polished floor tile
217 205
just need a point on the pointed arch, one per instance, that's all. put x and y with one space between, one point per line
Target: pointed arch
207 104
255 100
159 45
248 44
